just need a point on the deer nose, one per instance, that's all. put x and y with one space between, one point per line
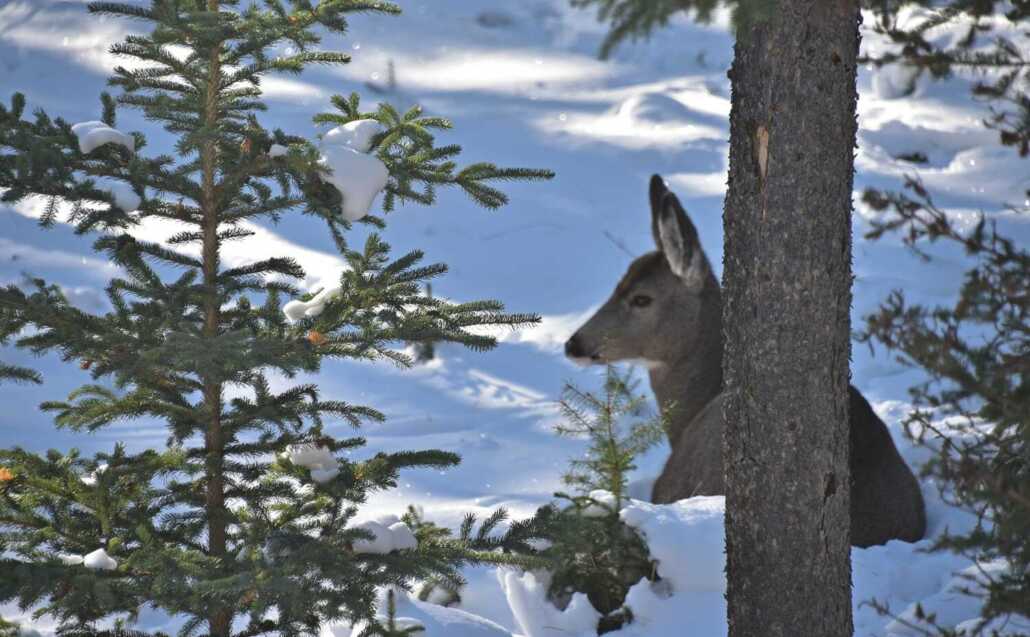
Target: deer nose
573 348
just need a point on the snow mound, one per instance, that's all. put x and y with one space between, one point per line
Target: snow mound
953 608
537 616
318 460
653 108
93 135
894 81
436 621
685 538
687 541
694 566
322 475
69 559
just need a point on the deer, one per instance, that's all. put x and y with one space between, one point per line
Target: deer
666 314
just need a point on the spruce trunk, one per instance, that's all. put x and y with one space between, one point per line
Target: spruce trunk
220 618
787 280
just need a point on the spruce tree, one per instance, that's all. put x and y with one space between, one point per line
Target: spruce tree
242 525
580 538
618 429
973 409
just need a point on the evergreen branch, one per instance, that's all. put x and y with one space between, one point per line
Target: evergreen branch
19 374
123 10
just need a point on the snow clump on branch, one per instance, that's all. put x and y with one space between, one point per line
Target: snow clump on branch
92 479
318 460
359 176
296 310
389 534
93 135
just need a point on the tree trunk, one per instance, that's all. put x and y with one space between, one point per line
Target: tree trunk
220 618
787 293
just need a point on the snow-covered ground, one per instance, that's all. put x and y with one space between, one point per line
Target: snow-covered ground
524 88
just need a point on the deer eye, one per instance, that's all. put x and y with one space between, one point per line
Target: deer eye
640 300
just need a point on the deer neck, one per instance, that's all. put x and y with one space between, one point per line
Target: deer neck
686 384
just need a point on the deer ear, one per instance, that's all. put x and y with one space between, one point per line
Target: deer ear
656 194
677 240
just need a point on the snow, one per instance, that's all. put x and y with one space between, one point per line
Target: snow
403 537
691 566
381 542
357 135
69 559
686 539
318 460
277 150
894 81
323 474
537 617
297 310
91 479
389 534
437 621
604 504
653 108
94 134
310 456
357 175
99 560
124 196
1008 626
528 94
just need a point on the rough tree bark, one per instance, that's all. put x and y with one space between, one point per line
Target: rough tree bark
787 291
220 617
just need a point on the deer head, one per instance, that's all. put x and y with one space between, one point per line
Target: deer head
666 304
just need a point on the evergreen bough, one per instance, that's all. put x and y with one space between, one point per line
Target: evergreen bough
219 530
586 547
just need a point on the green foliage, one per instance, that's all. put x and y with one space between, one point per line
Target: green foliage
219 529
580 539
591 551
614 443
390 627
635 20
406 145
17 374
587 548
497 541
974 407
